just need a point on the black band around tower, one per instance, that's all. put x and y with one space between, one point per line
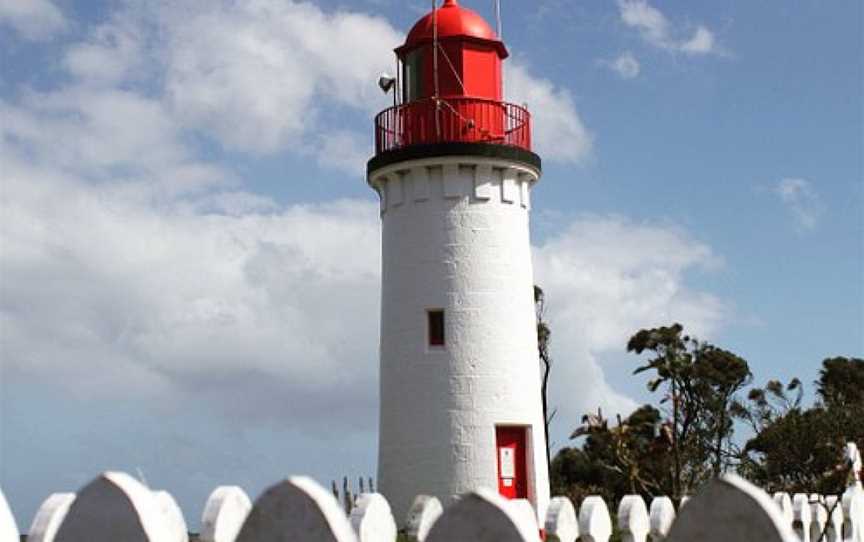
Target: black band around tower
436 150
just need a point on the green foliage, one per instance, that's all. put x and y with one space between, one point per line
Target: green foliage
841 382
802 450
687 438
631 457
699 381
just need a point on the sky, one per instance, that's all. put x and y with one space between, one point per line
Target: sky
190 259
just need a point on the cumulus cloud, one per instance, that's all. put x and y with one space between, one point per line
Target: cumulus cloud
135 268
32 19
605 277
655 29
204 296
264 76
117 51
626 65
558 131
801 200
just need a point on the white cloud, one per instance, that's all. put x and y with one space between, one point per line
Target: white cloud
605 278
626 65
802 201
558 131
202 297
701 43
155 298
656 29
114 52
132 267
32 19
264 76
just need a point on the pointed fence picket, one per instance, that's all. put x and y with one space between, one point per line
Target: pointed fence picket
115 506
633 519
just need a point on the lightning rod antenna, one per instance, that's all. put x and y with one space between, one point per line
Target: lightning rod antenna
498 19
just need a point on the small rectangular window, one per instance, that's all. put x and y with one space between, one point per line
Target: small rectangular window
436 327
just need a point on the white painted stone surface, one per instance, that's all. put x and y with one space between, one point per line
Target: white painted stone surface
293 510
853 456
835 518
372 519
48 518
459 241
853 515
662 515
424 512
784 501
224 514
8 527
731 509
482 516
173 516
818 517
111 508
633 519
595 524
524 509
561 524
802 516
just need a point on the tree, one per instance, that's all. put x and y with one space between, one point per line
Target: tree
614 461
672 364
841 382
717 376
701 381
543 336
799 449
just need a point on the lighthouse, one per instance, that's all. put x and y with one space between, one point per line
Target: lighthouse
459 369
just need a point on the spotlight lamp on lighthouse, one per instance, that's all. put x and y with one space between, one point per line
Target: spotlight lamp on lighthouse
459 370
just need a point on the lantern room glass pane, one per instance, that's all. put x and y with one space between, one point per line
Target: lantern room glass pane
412 75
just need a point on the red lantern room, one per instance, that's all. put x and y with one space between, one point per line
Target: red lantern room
469 56
449 88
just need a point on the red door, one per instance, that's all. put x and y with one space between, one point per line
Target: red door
512 474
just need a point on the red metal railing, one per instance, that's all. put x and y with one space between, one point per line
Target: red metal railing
462 120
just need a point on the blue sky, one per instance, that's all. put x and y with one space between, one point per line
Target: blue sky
189 252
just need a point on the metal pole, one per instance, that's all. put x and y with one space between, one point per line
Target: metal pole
498 19
435 68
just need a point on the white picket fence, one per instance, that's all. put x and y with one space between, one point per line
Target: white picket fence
115 507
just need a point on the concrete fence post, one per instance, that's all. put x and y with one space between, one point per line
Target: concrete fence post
483 516
114 507
784 501
173 517
595 524
803 517
818 517
853 456
633 519
834 507
296 509
424 512
853 515
561 523
48 518
8 527
226 510
731 509
372 519
662 515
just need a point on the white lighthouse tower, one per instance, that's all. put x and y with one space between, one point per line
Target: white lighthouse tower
460 377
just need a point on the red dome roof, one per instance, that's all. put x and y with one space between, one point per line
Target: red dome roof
453 21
